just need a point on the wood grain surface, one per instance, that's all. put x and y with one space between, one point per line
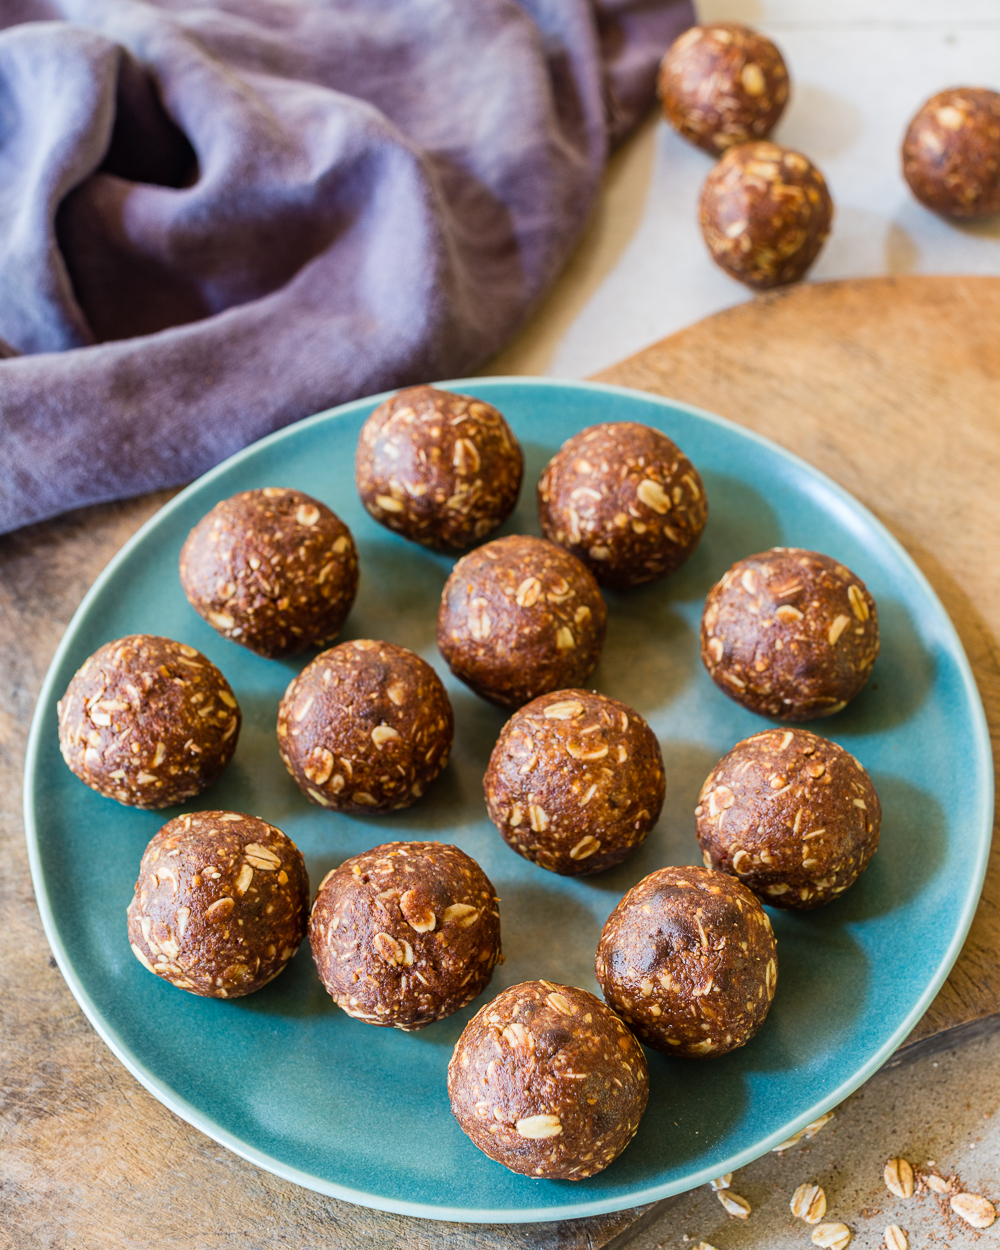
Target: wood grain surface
892 386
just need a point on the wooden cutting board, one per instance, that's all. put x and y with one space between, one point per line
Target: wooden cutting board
891 386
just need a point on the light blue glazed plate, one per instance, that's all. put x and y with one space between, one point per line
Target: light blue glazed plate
287 1080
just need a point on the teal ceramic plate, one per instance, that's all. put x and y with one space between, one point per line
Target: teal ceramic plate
288 1081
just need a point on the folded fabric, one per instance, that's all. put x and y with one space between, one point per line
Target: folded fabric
217 218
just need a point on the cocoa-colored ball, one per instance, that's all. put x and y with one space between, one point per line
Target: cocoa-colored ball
366 727
790 633
520 617
951 153
575 782
549 1082
406 933
688 960
721 84
765 213
441 469
792 815
148 721
624 499
274 570
220 905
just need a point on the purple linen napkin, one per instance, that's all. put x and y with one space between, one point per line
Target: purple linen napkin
217 218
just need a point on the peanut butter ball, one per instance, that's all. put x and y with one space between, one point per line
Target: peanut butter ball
406 933
366 727
575 782
548 1081
688 960
794 816
625 500
765 213
951 153
274 570
790 633
441 469
148 721
721 84
520 617
221 904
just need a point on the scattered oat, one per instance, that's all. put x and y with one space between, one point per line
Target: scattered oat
809 1203
810 1130
899 1178
975 1210
734 1204
832 1236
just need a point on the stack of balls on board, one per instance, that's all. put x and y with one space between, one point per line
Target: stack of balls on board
765 210
546 1079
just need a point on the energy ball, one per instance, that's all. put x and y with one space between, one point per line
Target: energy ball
951 153
520 617
221 904
625 500
688 960
441 469
575 782
366 727
148 721
793 815
722 84
406 933
765 213
789 633
549 1082
274 570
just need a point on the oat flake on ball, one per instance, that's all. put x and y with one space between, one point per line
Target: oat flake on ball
439 468
625 500
520 617
792 815
951 153
721 84
366 727
406 933
221 904
546 1080
765 212
790 633
273 569
148 721
689 961
575 782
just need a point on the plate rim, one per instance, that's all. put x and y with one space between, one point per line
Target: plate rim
563 1210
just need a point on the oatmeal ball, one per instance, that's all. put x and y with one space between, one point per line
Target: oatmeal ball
366 727
951 153
722 84
442 469
406 933
520 617
549 1082
789 633
148 721
688 960
765 213
221 904
625 500
793 815
575 782
274 570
